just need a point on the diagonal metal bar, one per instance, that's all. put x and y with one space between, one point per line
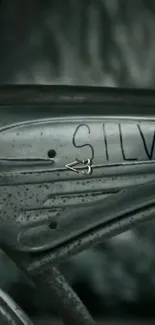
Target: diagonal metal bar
66 302
69 305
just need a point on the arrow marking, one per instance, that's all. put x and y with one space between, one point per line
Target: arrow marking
87 163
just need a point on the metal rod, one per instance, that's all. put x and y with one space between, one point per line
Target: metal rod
66 302
51 94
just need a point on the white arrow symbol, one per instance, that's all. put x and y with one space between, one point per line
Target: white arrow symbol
73 163
86 163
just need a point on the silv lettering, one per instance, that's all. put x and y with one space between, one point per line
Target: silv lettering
127 141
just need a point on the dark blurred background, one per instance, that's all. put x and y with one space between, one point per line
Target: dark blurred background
86 42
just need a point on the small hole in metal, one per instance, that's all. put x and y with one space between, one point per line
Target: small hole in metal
53 225
51 153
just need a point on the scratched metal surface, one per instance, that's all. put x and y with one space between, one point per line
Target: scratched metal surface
128 62
48 192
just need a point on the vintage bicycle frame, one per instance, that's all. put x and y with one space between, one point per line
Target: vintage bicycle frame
77 166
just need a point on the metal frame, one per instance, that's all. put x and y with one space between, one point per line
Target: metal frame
42 267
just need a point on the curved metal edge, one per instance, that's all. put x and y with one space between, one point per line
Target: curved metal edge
10 308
